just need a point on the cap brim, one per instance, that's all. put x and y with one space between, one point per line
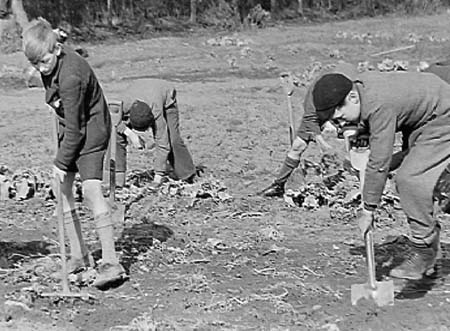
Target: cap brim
326 114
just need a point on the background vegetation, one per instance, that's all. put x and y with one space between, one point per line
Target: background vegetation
146 16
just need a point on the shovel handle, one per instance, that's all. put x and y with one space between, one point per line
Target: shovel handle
370 255
59 210
116 112
288 88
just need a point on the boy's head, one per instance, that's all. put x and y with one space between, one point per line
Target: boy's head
41 46
141 116
336 99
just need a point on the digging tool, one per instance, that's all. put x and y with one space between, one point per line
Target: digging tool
404 48
65 292
288 83
381 292
118 210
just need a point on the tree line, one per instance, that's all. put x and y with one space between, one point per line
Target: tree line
136 16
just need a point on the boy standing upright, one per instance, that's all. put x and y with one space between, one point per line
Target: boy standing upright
73 91
418 105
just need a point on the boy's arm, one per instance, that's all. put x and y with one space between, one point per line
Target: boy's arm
382 137
72 92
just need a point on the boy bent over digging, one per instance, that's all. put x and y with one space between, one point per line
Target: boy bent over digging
152 104
418 106
72 90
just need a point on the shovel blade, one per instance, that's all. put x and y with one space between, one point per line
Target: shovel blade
383 294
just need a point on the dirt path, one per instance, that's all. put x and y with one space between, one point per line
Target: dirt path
241 264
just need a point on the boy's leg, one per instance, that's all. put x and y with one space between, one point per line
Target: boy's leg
416 180
72 223
91 168
102 216
291 162
121 161
180 158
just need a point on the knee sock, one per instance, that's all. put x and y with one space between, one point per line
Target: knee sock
73 231
289 165
105 230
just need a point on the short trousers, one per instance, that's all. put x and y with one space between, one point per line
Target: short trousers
89 166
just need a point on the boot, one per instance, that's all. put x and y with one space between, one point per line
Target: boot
420 261
109 274
273 190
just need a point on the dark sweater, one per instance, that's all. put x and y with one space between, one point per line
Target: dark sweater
73 91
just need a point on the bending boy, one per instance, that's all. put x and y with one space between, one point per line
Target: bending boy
418 105
152 104
309 130
73 91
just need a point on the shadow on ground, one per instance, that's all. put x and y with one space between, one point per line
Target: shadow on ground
392 253
139 238
13 252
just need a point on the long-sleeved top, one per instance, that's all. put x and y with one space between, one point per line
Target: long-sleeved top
396 102
160 95
310 125
74 92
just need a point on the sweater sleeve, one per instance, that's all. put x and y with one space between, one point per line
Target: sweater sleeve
310 126
73 101
382 125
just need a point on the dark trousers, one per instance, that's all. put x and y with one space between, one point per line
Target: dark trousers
179 158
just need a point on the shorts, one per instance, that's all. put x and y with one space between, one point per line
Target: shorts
89 166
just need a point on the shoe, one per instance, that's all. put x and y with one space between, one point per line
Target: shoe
274 190
76 265
108 274
420 261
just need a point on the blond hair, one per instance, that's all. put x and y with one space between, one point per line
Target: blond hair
38 39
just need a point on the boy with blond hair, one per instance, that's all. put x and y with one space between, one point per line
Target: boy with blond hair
73 91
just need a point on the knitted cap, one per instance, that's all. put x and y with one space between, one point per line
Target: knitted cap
329 92
141 116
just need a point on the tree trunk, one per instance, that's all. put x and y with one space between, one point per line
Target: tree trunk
109 12
193 18
3 8
19 13
300 7
273 7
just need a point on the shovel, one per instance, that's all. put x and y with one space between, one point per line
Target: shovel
118 210
381 292
65 291
288 83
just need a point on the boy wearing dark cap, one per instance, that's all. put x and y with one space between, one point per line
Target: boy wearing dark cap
73 91
152 103
418 106
308 131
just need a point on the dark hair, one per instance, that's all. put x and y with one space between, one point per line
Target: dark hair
141 116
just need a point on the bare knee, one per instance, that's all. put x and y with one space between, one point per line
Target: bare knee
93 195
